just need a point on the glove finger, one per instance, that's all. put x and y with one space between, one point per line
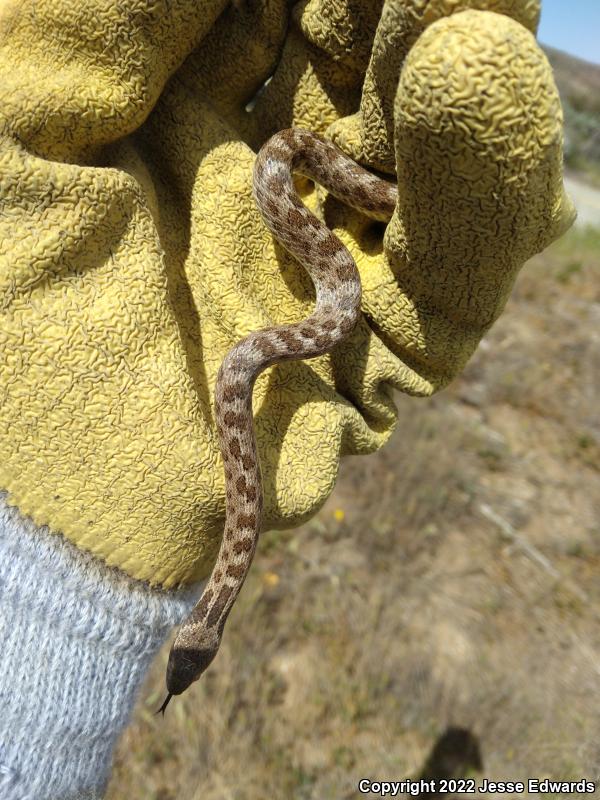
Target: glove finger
237 56
368 135
478 139
320 74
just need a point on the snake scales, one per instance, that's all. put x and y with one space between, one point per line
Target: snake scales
337 309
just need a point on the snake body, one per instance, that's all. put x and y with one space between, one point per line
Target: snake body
338 296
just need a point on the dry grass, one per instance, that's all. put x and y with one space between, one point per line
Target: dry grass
448 623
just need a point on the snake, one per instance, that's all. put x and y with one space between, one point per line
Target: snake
336 312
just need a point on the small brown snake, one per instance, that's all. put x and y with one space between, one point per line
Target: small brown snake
337 309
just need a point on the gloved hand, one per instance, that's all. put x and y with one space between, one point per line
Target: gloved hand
133 264
133 256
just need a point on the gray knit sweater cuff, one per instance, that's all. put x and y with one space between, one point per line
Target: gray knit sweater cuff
77 638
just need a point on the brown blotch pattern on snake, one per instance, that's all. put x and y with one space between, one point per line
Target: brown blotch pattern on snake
330 266
215 613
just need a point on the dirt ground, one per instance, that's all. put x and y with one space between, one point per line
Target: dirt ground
440 616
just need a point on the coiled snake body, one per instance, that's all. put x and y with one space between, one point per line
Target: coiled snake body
338 296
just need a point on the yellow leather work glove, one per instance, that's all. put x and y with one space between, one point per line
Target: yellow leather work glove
133 257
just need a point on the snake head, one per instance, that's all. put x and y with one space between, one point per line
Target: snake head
186 665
